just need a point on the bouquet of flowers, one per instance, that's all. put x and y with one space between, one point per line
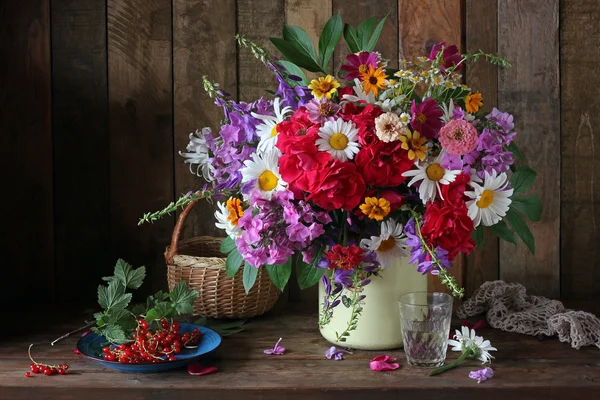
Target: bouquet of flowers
350 170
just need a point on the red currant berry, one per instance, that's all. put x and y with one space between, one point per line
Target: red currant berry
171 357
47 371
66 367
106 350
28 374
61 371
34 368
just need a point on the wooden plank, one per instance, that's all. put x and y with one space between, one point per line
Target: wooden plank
310 15
141 130
203 44
424 23
27 244
354 12
530 91
580 141
481 22
80 135
257 20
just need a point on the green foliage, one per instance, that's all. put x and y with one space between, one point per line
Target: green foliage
365 36
297 54
233 263
293 69
308 274
477 236
531 206
117 320
280 274
227 245
223 328
521 229
330 36
503 232
249 276
351 38
522 179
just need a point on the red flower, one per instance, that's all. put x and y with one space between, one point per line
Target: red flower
454 192
337 185
448 226
346 258
302 167
426 118
382 164
450 57
297 131
364 119
344 91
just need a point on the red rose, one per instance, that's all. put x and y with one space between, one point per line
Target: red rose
455 191
344 91
382 164
364 119
448 226
336 186
296 132
302 167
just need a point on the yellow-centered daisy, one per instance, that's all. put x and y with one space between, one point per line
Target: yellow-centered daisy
339 138
264 170
489 202
324 86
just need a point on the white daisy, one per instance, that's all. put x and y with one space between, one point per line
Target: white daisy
339 138
431 175
267 130
389 245
198 154
264 168
490 201
227 217
467 341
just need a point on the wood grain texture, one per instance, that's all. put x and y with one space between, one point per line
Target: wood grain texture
354 12
481 32
203 44
27 243
524 368
580 149
423 23
80 136
257 21
141 130
528 36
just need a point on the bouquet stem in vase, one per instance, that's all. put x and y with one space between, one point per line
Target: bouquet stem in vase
378 327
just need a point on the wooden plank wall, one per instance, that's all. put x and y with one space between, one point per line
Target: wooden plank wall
99 96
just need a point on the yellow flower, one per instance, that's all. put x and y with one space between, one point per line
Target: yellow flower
235 210
326 86
373 80
415 144
375 208
473 102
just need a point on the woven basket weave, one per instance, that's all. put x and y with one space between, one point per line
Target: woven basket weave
199 262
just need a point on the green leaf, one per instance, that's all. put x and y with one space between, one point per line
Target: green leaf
227 245
364 30
113 296
114 334
161 310
528 205
293 69
233 263
139 309
308 274
522 179
351 38
346 301
502 231
300 39
330 36
293 54
129 277
512 147
280 274
477 236
249 278
376 34
521 228
121 317
183 298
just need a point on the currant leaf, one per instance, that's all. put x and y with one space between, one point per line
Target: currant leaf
183 298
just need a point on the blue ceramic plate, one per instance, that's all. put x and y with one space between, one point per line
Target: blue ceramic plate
91 345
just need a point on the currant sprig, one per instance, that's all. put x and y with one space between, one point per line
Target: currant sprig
46 369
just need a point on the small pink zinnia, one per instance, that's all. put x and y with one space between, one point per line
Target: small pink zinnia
426 118
321 111
359 64
458 137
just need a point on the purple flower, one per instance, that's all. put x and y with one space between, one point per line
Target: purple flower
327 285
458 113
343 277
321 111
335 353
277 349
482 374
502 119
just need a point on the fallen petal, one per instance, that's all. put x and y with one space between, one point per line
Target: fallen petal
384 358
199 369
383 366
482 374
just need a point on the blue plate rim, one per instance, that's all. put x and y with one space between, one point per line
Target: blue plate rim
164 362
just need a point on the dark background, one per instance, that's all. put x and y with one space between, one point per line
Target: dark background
99 96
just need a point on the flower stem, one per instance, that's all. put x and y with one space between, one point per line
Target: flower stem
467 354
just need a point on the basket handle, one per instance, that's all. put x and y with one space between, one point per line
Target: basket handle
177 232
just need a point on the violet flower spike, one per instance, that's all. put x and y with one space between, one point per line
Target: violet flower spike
482 374
334 353
277 350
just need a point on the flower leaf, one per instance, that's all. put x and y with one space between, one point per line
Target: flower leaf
330 36
502 231
227 245
308 274
376 34
364 30
528 205
280 274
300 39
477 236
249 277
347 302
295 70
522 179
233 263
351 38
293 54
512 147
516 221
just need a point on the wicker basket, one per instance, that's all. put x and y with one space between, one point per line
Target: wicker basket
199 262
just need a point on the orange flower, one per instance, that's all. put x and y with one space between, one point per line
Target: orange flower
373 80
235 210
375 208
473 102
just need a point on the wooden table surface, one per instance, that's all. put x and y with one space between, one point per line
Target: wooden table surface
525 368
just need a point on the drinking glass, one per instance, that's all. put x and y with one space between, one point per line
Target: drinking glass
425 323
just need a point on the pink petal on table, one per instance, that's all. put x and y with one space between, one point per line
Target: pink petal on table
199 369
382 363
277 350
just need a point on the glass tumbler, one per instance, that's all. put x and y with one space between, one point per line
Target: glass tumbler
425 322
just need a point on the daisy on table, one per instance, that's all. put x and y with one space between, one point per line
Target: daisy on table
267 130
490 200
431 175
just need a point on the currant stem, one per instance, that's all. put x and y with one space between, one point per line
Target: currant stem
66 335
